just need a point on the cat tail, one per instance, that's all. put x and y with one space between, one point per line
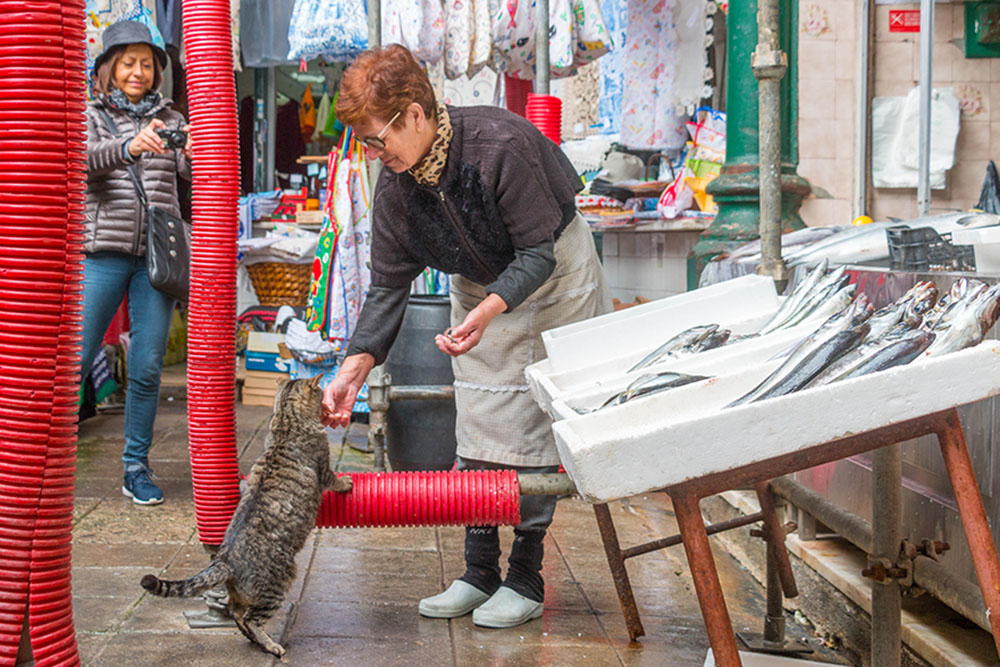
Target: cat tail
211 576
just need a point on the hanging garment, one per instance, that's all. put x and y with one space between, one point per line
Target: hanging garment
615 13
416 24
648 109
318 314
350 275
482 38
322 112
457 37
334 29
307 114
592 39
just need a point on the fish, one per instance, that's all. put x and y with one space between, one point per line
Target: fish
831 298
651 383
794 299
896 353
970 326
717 338
684 338
818 358
922 300
824 289
859 355
831 327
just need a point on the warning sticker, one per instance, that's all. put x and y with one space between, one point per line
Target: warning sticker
904 20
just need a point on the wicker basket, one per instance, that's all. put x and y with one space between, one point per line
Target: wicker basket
280 284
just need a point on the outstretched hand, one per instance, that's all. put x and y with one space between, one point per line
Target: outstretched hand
340 394
458 340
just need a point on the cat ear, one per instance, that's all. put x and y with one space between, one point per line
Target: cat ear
315 382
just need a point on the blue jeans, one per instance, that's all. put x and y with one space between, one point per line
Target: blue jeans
108 276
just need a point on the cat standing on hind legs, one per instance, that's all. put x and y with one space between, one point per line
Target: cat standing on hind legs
256 560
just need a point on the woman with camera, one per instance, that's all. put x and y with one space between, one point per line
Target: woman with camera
130 128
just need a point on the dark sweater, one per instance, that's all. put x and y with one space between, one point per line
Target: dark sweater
505 195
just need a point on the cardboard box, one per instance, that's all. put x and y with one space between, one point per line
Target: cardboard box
267 362
259 341
263 380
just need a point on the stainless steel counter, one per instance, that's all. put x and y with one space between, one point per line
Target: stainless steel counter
929 508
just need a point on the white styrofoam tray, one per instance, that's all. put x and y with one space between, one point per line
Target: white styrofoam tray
628 335
721 361
684 434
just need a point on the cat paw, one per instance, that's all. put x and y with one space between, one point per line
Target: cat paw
343 484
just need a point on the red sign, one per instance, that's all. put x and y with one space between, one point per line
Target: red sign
904 20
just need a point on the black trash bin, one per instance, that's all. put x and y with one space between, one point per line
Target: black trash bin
420 434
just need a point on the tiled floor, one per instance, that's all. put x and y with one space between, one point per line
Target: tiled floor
355 599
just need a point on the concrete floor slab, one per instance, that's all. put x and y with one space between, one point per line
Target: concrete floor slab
354 601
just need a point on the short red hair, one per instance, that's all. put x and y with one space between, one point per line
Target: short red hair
380 83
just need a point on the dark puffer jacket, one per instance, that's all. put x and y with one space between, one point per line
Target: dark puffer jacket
115 220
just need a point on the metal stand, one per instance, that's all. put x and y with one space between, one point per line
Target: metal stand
694 534
216 616
617 556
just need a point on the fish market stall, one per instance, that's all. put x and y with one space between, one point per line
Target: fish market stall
785 389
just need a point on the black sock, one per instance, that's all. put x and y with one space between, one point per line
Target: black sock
482 558
525 564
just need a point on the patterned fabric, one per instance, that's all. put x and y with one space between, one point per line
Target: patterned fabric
615 13
428 170
458 37
117 99
334 29
648 113
416 24
317 315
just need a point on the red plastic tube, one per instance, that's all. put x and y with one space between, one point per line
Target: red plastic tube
545 113
43 165
477 498
212 305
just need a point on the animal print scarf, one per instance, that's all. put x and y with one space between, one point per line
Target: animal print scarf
428 171
137 110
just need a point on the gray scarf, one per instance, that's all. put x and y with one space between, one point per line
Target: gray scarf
138 110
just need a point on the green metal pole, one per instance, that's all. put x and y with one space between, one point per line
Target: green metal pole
737 189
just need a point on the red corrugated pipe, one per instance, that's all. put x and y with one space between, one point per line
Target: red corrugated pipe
475 498
212 306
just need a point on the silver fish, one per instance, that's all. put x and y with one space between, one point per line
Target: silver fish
717 338
651 383
970 326
922 300
834 296
896 353
859 355
686 337
831 327
818 358
795 298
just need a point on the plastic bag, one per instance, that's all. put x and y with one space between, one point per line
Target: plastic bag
264 32
678 196
336 30
989 196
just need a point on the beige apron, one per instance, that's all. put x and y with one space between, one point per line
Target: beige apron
498 420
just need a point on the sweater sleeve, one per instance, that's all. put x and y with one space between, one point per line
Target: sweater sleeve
524 198
531 267
379 322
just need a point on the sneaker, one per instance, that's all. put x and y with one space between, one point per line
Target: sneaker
141 489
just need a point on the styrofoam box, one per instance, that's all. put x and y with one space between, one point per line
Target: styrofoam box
721 361
985 243
685 433
629 334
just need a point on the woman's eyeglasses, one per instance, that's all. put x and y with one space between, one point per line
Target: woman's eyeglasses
376 141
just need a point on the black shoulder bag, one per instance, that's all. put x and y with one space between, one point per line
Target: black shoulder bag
168 238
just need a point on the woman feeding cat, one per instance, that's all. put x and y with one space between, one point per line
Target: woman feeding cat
122 124
480 193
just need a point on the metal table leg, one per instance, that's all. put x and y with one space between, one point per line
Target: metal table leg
618 573
706 578
974 521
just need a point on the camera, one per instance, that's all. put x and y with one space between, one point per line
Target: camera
173 138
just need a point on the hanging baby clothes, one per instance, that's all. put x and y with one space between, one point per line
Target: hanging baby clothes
322 112
615 13
482 37
418 25
648 109
458 29
341 276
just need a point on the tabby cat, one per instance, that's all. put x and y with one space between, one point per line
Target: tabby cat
256 560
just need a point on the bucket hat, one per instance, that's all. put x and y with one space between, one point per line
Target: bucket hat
128 32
